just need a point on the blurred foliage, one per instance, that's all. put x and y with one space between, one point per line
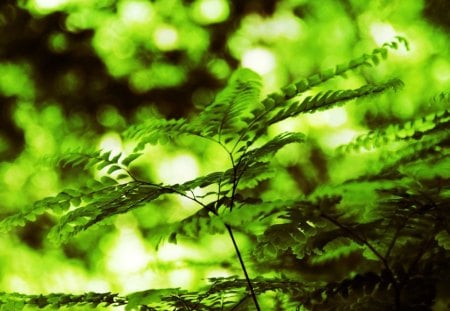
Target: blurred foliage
75 73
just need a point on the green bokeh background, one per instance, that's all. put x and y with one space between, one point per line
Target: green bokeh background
76 73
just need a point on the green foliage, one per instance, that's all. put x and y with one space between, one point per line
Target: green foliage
393 220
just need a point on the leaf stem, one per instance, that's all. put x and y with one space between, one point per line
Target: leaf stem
244 269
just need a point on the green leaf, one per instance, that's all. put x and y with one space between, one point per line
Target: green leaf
159 130
272 146
130 158
102 164
113 168
105 155
106 180
149 297
231 109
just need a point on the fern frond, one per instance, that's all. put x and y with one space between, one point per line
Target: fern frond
91 300
330 99
295 89
231 109
369 291
272 146
116 164
300 223
159 130
105 203
57 204
205 181
251 175
414 129
310 104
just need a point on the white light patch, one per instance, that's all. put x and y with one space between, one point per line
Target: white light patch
288 125
178 169
336 117
339 138
135 11
259 59
382 32
111 142
165 38
333 117
128 255
214 10
139 281
18 284
68 280
171 252
49 4
99 286
181 278
217 273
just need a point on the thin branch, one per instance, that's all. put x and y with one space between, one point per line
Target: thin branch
363 241
249 127
244 269
177 192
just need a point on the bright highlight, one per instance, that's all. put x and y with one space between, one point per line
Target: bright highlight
259 59
49 4
178 169
382 32
128 254
165 38
212 11
135 11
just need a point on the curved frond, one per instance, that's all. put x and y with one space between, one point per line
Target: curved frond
330 99
411 130
297 88
159 130
231 109
272 146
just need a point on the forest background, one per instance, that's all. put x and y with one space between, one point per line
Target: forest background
76 73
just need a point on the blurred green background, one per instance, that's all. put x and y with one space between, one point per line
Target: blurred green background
76 73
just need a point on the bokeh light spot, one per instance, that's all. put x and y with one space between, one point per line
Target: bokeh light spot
57 42
128 255
45 5
108 116
219 68
333 117
111 142
382 32
259 59
181 168
135 12
211 11
15 80
165 37
181 278
339 138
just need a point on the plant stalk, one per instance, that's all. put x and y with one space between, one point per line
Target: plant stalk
244 269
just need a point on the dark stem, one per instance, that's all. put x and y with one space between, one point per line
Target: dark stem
362 240
244 269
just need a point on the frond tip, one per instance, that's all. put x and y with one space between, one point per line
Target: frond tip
231 109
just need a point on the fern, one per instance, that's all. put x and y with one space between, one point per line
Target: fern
377 219
231 109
